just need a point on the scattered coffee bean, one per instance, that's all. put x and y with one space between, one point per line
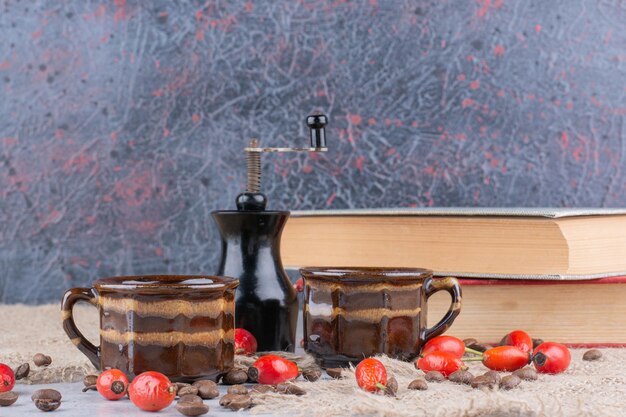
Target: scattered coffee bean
235 377
483 381
192 409
188 390
473 344
502 341
461 377
469 341
334 373
22 371
537 342
90 388
418 384
434 376
312 375
495 376
236 401
90 380
207 390
42 360
527 374
180 385
8 398
592 355
392 387
289 388
510 382
262 389
190 398
47 399
237 389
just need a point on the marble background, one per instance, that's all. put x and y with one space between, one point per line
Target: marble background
122 123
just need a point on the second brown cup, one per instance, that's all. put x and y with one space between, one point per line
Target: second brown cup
354 313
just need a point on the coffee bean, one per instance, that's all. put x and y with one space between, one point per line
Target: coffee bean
527 374
312 375
188 390
510 382
47 399
190 398
42 360
289 388
483 382
90 388
46 394
392 387
192 409
262 389
90 380
237 389
334 373
469 341
236 401
434 376
536 342
235 377
592 355
180 385
22 371
495 376
207 390
461 377
8 398
418 384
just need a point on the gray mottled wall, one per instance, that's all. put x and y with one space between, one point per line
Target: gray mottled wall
122 123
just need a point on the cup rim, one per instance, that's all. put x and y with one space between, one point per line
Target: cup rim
159 282
365 274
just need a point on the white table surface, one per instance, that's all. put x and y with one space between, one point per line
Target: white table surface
76 403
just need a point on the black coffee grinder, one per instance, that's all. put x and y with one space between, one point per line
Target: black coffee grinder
266 303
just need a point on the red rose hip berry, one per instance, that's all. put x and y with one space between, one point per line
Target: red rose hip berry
551 358
245 342
448 344
520 339
151 391
7 378
112 384
444 362
371 375
272 370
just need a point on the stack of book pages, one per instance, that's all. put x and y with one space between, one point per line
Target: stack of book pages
560 274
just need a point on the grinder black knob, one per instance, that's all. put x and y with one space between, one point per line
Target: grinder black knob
316 123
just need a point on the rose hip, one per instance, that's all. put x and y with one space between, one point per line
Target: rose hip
151 391
7 378
272 370
551 358
505 358
520 339
245 342
112 384
371 375
448 344
444 362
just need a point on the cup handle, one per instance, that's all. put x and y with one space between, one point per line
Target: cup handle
85 346
451 285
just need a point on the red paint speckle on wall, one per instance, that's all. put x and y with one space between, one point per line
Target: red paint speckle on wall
355 119
467 102
498 50
371 121
359 163
196 118
331 198
537 28
474 85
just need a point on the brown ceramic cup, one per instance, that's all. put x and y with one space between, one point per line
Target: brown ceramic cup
181 326
353 313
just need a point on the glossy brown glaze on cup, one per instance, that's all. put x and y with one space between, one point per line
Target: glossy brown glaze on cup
353 313
182 326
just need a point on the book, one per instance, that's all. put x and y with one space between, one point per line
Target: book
581 314
548 244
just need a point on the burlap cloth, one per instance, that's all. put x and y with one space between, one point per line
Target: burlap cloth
586 389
